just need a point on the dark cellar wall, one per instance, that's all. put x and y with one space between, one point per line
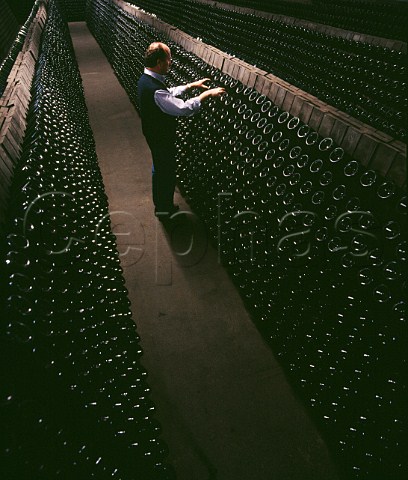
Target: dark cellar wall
8 29
20 9
73 10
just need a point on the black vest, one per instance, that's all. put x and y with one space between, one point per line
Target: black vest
158 127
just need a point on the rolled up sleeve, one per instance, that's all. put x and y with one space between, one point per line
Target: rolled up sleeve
170 104
177 91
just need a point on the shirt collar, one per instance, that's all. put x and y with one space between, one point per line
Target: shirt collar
155 75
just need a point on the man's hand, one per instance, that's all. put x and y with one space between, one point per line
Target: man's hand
214 92
199 84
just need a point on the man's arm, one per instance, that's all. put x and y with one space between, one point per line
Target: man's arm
177 91
174 106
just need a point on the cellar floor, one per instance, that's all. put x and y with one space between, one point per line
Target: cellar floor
226 408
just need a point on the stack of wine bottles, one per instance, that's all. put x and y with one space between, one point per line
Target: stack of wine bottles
384 19
15 49
125 32
315 242
366 81
74 398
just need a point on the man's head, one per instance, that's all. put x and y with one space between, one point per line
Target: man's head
158 58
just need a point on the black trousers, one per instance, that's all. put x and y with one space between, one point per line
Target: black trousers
163 176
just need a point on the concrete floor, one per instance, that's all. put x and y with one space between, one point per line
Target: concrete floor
226 408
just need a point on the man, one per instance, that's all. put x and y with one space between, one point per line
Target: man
159 107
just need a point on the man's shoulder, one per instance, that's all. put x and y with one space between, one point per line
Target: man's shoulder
145 78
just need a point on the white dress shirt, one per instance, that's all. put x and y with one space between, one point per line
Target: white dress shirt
168 102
